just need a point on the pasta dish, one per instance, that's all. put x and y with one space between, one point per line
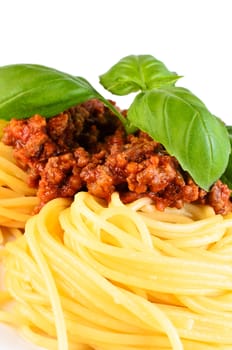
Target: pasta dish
107 241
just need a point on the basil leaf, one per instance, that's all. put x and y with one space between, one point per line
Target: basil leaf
134 73
181 122
227 176
27 89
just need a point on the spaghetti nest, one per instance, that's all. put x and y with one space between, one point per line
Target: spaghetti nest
121 277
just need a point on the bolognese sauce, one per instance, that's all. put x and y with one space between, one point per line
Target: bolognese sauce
86 148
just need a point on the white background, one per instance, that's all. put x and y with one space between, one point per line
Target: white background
85 38
193 38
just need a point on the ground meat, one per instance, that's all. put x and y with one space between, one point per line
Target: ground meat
37 139
86 148
219 198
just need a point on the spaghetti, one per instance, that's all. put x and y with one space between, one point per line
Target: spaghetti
121 277
17 199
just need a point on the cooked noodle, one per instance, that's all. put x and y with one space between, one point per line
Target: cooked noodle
17 199
121 277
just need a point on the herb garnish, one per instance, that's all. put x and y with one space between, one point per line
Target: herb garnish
27 89
171 115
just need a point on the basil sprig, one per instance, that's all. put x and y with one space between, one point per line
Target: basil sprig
27 89
173 116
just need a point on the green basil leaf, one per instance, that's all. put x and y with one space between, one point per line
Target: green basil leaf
27 89
227 176
134 73
181 122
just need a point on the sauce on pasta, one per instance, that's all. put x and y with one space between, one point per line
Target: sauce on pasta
90 272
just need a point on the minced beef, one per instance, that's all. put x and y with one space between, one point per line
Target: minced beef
86 148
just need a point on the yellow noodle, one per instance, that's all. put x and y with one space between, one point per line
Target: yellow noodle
17 199
121 277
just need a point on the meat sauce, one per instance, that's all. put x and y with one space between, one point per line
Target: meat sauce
86 148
